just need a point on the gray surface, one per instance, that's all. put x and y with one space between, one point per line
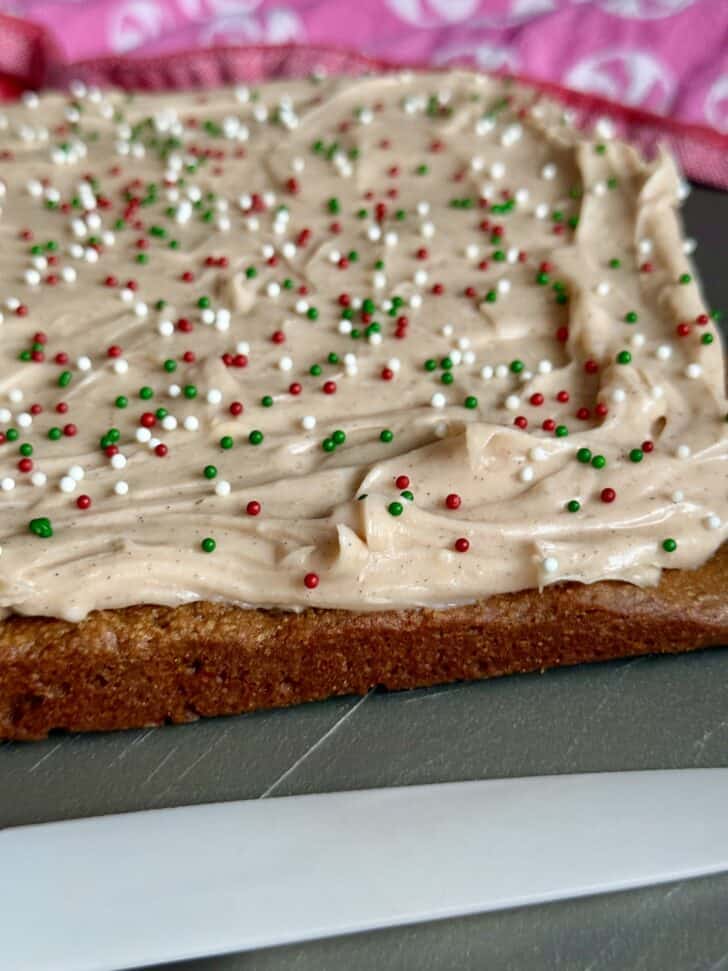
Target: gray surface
646 713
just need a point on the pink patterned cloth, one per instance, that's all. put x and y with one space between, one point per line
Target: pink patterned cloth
670 56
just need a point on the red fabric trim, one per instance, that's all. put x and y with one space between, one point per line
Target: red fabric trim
702 151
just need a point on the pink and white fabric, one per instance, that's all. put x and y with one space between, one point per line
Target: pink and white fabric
670 56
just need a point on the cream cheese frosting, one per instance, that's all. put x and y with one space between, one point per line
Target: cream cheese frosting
376 343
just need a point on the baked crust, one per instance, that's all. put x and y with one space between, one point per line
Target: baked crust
146 665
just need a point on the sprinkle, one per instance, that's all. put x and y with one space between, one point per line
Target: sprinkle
41 526
462 544
550 564
669 545
208 545
311 581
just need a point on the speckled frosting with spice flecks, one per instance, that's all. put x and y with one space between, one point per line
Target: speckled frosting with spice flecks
400 341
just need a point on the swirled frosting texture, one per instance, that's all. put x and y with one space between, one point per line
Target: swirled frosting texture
468 346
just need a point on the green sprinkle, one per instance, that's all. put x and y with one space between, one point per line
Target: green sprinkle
54 434
353 256
395 508
255 437
339 436
333 358
447 377
170 365
685 278
315 370
615 263
146 393
598 462
516 366
631 317
161 413
288 284
203 303
669 545
430 364
267 401
386 435
573 505
328 445
334 205
406 494
190 391
208 545
210 471
636 455
624 357
491 296
471 402
584 455
446 363
12 434
64 379
26 449
142 258
542 279
561 431
312 313
226 442
706 339
422 169
41 527
251 272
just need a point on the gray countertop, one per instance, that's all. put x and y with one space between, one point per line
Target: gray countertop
658 712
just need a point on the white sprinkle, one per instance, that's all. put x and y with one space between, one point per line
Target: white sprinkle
428 230
7 484
657 391
12 303
548 172
242 347
286 363
538 454
91 255
394 364
689 246
83 363
420 277
415 301
391 238
169 423
604 128
121 488
678 495
441 429
663 352
471 251
375 339
476 163
68 484
345 326
308 422
379 280
39 479
503 285
423 208
24 419
693 371
301 306
174 391
521 196
191 423
32 278
69 274
222 488
126 295
599 188
214 396
501 371
619 395
683 451
143 435
712 521
602 288
273 289
526 474
469 357
121 366
541 211
513 402
374 233
15 395
5 415
486 372
545 367
645 247
76 472
447 330
550 564
165 328
438 400
637 340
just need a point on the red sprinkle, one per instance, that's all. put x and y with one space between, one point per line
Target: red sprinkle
548 425
520 421
311 581
114 351
536 398
329 387
253 507
583 414
83 502
295 388
161 450
25 465
683 330
453 500
702 319
278 337
591 367
70 430
236 408
648 446
601 409
462 545
562 396
387 374
608 495
402 481
61 407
